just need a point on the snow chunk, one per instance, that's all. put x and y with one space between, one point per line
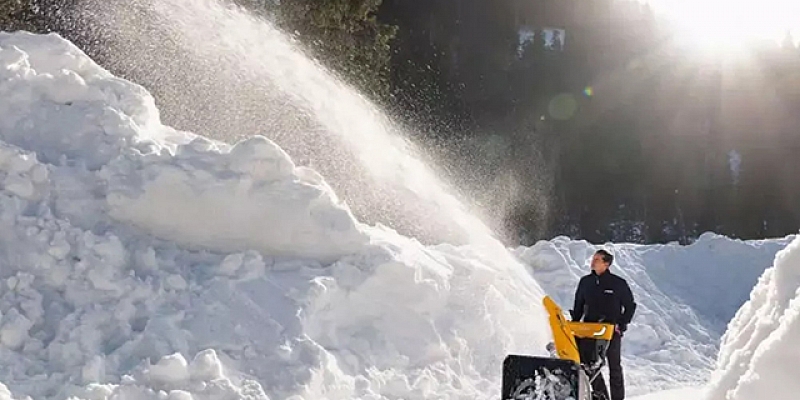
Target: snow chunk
20 173
14 329
5 394
249 198
170 369
206 366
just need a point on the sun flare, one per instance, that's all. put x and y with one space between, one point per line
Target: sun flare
730 25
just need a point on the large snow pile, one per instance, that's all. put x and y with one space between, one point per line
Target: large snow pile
760 350
685 296
139 262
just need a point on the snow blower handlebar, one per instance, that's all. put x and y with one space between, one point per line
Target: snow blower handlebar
566 332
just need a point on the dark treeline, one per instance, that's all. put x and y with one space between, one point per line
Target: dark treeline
565 117
635 137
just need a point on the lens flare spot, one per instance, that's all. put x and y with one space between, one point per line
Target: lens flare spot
563 107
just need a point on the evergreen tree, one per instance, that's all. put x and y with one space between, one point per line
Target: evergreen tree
345 34
17 15
9 11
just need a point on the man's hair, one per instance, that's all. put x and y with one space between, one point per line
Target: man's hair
607 257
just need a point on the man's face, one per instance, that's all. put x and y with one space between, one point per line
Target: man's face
598 265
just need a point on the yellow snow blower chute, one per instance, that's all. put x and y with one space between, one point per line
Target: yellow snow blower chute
564 375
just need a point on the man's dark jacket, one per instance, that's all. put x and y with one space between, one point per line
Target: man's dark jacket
604 298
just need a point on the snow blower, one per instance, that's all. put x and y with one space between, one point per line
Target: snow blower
563 375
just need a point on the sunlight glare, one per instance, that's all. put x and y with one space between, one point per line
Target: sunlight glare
729 25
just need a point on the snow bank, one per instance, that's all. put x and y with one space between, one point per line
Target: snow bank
139 262
759 352
70 112
683 294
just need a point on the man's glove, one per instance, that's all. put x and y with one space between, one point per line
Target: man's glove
620 329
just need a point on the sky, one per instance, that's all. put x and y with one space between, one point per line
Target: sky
139 262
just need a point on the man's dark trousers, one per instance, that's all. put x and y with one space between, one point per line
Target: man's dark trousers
613 358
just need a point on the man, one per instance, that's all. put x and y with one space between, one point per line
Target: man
604 297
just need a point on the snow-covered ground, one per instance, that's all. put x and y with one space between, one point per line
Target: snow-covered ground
690 393
138 262
685 296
